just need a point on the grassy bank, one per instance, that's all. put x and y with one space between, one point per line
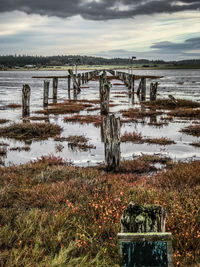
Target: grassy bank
55 214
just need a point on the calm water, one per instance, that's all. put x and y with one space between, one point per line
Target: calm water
180 83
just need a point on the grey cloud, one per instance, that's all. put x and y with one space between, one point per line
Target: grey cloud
170 47
98 10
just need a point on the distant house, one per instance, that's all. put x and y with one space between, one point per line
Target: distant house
29 66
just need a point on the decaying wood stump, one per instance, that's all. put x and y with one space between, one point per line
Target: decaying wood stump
55 88
143 219
26 93
46 93
153 91
111 127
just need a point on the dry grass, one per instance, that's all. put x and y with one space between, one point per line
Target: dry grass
185 113
192 130
20 148
137 138
39 118
64 108
96 120
79 142
168 104
159 141
54 214
25 131
13 105
137 113
132 137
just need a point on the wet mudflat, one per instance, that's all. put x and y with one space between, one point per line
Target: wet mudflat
86 121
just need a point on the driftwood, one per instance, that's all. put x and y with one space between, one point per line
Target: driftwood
143 219
173 99
46 93
26 93
111 127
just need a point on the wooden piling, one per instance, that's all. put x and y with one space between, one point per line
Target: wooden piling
75 84
111 126
26 93
55 88
104 90
143 89
46 93
153 91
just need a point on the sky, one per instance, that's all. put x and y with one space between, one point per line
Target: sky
150 29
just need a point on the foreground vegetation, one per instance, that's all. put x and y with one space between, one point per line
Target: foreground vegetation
56 214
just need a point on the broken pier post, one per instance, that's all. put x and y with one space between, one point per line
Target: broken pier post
26 93
143 240
46 94
143 88
55 89
104 90
111 128
153 91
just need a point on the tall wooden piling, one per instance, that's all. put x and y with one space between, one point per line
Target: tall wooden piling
69 82
104 91
46 93
143 89
111 126
153 91
75 84
132 83
26 93
83 78
55 88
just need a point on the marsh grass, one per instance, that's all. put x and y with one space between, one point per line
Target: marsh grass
54 214
137 138
138 113
64 108
13 106
79 142
185 113
168 104
94 119
25 131
192 130
3 121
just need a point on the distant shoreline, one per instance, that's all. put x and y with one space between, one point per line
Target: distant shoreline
65 68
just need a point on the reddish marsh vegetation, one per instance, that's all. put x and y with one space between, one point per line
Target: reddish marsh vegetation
25 131
60 215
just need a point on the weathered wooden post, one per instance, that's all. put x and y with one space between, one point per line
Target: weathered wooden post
104 90
143 240
79 79
153 91
26 93
83 78
111 127
69 82
55 89
76 86
143 88
46 93
139 88
132 83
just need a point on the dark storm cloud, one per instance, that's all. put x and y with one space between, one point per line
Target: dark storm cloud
98 10
191 44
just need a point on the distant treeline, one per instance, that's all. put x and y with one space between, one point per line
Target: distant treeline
23 60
